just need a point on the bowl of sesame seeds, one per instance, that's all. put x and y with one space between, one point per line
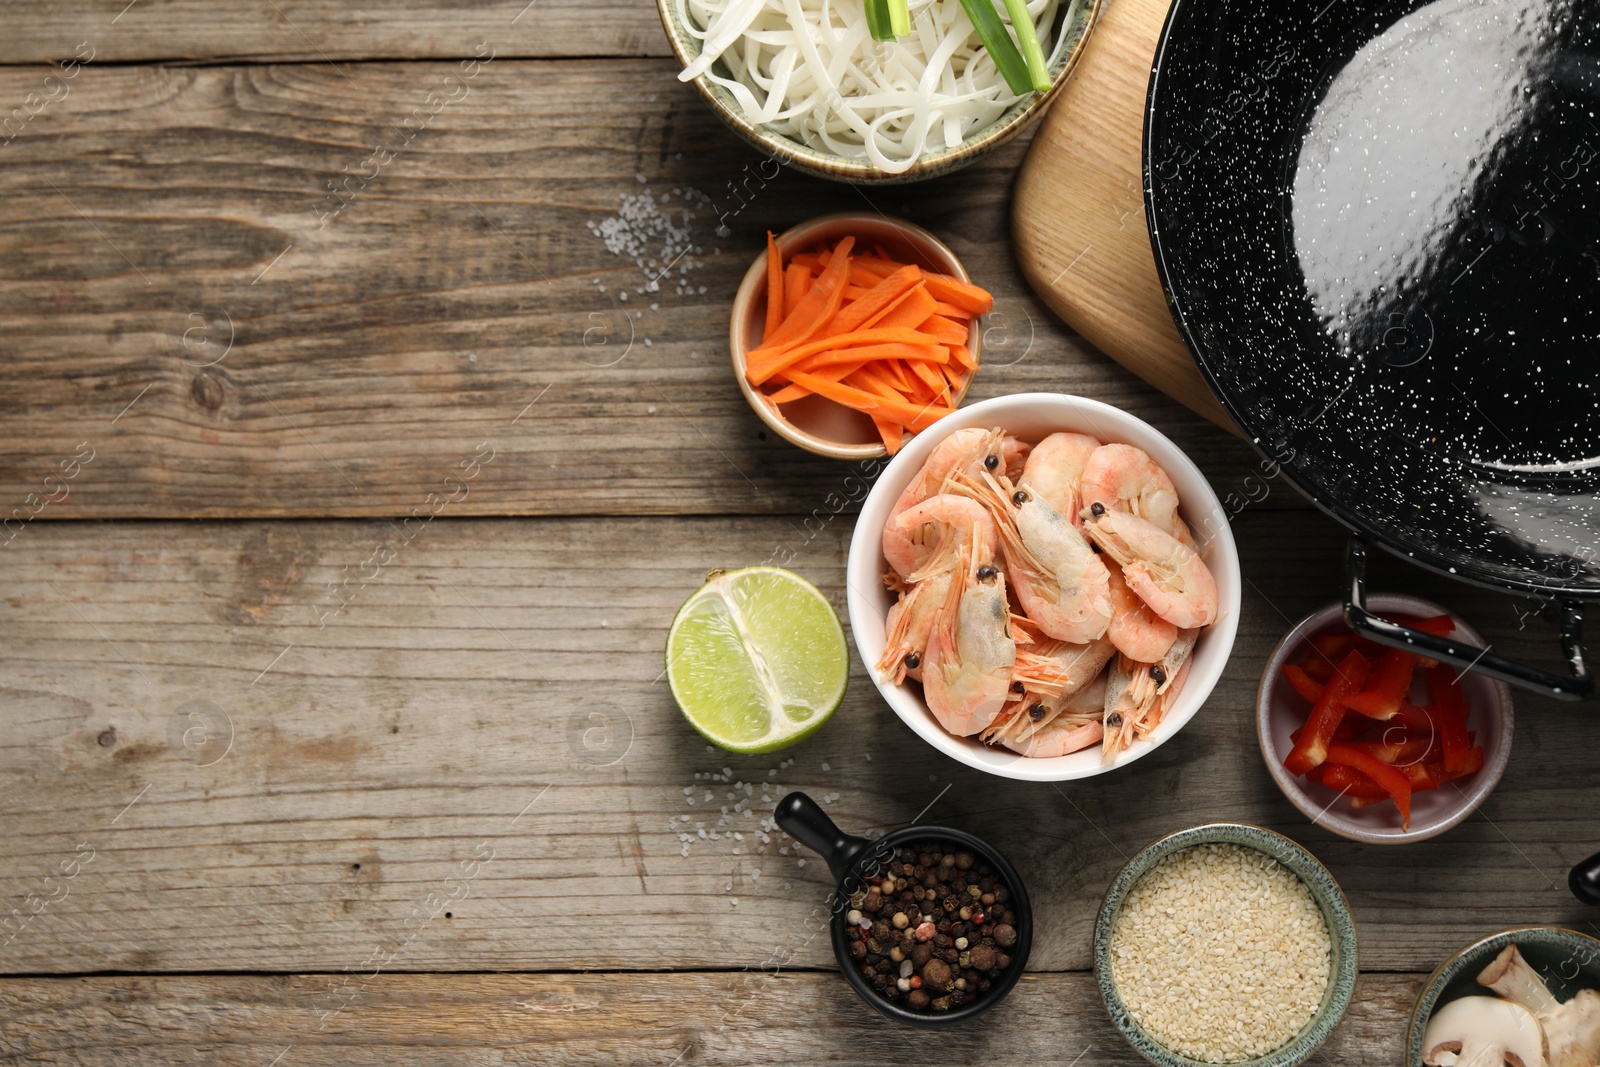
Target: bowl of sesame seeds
1225 944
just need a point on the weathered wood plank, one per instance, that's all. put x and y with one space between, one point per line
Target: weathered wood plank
801 1018
295 30
178 297
332 789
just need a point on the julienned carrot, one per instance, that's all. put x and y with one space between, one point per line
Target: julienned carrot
796 280
912 312
893 435
774 287
930 376
962 294
948 331
911 416
898 351
762 363
834 372
873 301
862 330
814 309
878 315
890 373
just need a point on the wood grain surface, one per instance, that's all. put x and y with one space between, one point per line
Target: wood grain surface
762 1016
180 293
474 765
149 31
1078 219
278 792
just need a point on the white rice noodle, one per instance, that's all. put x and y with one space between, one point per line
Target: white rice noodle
810 70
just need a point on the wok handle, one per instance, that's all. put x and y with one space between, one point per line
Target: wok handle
1575 686
1584 880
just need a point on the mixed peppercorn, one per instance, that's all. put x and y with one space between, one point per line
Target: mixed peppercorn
933 930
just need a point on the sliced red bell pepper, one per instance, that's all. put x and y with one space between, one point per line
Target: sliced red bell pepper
1471 763
1389 684
1415 719
1352 726
1336 645
1351 782
1302 683
1421 776
1325 716
1450 707
1393 781
1318 669
1396 747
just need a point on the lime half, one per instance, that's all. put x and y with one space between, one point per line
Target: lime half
756 659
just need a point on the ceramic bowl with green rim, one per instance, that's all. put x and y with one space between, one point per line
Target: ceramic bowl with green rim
1565 960
1074 21
1326 894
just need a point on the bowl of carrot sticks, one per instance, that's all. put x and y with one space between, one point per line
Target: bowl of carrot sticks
853 332
1379 744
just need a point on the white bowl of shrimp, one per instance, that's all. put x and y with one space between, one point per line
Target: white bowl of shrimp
1017 625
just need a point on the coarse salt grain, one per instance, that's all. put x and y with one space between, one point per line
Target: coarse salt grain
658 240
1220 953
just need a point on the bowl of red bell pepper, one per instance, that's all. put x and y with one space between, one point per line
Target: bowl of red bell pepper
1378 744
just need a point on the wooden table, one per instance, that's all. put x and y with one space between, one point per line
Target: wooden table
345 530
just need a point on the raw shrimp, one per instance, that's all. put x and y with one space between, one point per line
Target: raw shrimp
966 675
1127 479
970 450
1137 694
923 533
961 525
1060 582
1167 574
909 622
1060 672
1055 468
1076 727
1139 633
1164 701
1055 670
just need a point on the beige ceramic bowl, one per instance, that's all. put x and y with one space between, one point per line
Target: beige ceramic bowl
1279 711
823 164
815 423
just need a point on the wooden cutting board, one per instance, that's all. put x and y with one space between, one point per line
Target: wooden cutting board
1078 221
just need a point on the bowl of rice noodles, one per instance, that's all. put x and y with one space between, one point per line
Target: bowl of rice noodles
805 82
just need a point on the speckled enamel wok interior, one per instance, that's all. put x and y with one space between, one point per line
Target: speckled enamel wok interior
1378 224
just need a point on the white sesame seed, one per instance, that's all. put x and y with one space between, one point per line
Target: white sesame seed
1220 953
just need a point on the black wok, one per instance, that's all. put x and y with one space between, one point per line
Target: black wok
1378 225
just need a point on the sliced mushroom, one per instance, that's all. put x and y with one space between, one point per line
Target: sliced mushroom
1571 1030
1483 1032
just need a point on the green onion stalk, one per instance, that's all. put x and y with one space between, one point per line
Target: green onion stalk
888 19
1028 38
992 32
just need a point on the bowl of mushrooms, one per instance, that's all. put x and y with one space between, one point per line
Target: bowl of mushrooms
1526 997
